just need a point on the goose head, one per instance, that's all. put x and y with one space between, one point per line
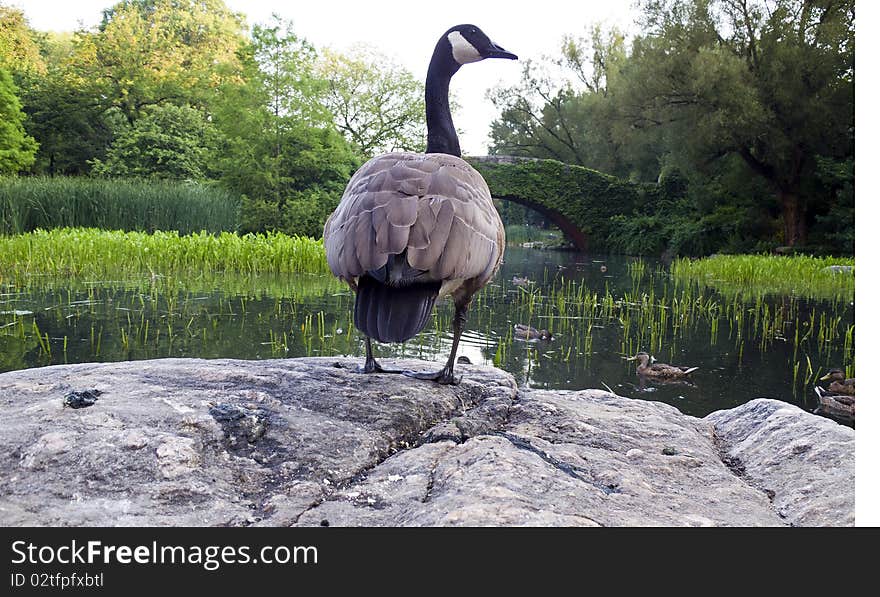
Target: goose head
468 43
460 45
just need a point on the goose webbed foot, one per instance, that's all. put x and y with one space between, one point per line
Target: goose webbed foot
371 366
444 376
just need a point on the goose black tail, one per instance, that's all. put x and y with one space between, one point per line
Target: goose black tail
393 314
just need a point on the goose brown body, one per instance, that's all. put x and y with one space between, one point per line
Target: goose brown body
434 208
412 227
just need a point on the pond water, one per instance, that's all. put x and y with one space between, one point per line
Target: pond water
599 309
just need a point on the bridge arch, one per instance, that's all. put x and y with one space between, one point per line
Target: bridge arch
581 202
572 232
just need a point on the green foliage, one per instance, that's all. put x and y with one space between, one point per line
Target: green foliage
17 148
281 151
72 128
150 52
545 117
19 49
27 204
769 85
377 104
168 141
588 198
103 254
176 89
836 230
751 276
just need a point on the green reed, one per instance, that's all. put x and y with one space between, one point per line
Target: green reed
111 255
754 276
33 203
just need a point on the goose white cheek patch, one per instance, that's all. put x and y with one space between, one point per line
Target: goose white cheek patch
462 50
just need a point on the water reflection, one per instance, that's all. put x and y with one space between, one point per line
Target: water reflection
598 309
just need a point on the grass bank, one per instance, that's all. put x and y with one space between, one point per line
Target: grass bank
116 255
752 276
32 203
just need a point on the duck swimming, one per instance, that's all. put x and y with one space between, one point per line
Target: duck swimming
648 367
840 384
527 332
837 405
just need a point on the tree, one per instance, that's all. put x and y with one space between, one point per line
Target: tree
69 123
173 142
745 99
771 83
280 151
17 148
19 49
150 52
284 66
378 105
561 108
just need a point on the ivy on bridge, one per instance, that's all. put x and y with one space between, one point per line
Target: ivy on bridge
580 201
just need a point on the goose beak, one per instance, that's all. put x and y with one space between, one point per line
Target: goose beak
628 358
496 51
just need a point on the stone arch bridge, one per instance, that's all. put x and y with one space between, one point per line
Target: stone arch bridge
580 201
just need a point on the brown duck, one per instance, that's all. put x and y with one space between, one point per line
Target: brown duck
648 367
840 384
527 332
839 405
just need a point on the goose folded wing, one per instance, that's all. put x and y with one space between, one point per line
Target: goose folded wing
437 208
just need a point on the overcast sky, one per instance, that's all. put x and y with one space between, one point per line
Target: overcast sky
406 31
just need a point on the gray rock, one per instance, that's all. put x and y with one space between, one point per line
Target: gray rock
805 463
307 441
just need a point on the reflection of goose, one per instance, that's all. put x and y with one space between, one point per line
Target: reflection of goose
412 227
649 368
527 332
840 384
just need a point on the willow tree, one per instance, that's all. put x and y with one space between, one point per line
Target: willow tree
770 82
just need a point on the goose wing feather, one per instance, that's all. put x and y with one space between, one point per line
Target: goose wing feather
434 206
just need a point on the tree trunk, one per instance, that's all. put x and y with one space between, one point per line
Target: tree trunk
794 218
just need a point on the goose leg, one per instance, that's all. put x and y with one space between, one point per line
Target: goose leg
446 375
371 366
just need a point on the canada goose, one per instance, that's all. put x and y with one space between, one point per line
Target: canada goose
839 383
527 332
412 227
650 368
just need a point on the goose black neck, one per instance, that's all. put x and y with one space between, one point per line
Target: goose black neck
441 131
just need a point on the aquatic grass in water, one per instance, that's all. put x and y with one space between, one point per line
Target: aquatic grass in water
750 276
745 348
113 255
32 203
